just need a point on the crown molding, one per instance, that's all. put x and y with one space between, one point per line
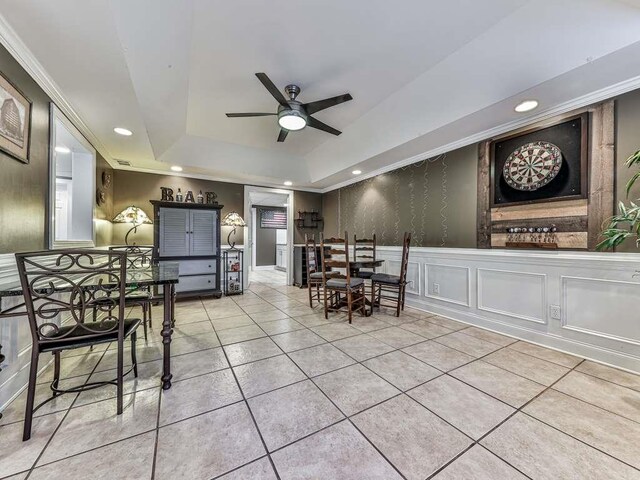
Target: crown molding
597 96
214 178
21 53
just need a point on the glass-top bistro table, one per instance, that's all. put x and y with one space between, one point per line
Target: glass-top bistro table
164 274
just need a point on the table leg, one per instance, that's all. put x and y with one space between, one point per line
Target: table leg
166 335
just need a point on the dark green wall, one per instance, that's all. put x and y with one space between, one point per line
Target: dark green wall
24 187
435 200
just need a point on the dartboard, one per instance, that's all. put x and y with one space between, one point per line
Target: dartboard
532 166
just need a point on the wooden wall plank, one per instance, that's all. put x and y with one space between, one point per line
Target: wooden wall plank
565 240
563 224
484 195
602 170
568 208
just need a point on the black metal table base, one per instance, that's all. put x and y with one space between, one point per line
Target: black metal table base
167 324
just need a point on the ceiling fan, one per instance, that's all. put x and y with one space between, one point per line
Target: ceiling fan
292 114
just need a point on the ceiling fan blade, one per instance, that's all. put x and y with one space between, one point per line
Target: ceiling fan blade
273 90
314 107
237 115
283 134
315 123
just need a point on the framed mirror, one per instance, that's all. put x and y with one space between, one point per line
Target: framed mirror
72 174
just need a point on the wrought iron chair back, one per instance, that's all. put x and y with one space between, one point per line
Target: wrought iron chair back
138 256
74 281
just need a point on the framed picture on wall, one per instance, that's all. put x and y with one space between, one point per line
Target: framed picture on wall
15 121
541 165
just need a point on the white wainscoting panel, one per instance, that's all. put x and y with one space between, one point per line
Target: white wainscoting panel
413 274
519 295
590 305
454 283
511 292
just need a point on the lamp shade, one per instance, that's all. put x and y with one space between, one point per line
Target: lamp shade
233 219
132 214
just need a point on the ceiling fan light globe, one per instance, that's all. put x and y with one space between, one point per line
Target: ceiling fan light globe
291 120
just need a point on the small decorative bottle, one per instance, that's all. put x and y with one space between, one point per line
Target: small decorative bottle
179 196
200 197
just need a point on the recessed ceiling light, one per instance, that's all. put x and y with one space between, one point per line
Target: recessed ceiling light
62 149
288 183
176 168
357 172
526 106
123 131
285 204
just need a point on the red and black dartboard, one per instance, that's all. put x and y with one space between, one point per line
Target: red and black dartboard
532 166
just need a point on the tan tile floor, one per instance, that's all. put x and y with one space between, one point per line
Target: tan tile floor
266 388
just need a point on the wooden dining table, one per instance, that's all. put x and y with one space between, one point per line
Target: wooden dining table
161 274
356 265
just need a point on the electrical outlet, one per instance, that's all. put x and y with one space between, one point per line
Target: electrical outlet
436 288
554 311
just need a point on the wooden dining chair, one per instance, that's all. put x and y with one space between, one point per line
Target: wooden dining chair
61 289
364 249
392 288
139 257
340 291
314 270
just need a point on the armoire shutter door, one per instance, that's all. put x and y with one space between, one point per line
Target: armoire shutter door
174 239
203 232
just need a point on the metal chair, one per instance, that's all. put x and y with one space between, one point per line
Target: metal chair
340 291
392 287
139 257
61 290
364 249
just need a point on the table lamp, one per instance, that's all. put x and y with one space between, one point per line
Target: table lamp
133 215
232 219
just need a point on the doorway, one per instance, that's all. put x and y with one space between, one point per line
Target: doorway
270 235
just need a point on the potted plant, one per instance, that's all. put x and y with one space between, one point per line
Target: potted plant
626 224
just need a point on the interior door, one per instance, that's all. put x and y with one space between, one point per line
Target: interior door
203 232
174 228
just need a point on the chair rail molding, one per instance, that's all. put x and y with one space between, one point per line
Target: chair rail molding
512 292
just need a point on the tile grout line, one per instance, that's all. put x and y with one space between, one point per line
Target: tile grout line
327 342
347 418
519 409
66 414
264 445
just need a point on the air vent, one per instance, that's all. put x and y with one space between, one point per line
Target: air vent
124 162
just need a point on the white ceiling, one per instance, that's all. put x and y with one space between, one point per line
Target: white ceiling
423 74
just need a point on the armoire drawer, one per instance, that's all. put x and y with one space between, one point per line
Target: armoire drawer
197 267
196 282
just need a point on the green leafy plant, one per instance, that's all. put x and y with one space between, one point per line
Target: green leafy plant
626 224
